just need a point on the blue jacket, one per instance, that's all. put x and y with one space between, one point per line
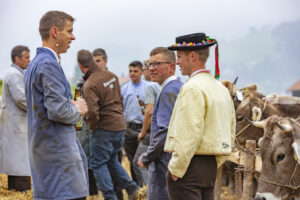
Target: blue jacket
57 162
155 157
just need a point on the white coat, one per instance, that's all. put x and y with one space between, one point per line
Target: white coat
14 156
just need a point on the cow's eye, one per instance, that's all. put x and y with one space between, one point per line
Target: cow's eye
239 118
280 157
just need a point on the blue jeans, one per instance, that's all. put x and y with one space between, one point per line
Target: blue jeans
104 161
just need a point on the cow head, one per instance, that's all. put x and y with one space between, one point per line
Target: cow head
279 147
251 107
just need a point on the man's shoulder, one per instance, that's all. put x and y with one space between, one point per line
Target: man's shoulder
173 85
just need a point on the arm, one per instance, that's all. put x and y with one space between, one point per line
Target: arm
16 88
59 107
150 101
147 121
187 127
164 112
92 99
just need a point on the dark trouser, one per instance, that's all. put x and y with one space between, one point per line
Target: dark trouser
198 181
130 146
83 198
19 183
141 173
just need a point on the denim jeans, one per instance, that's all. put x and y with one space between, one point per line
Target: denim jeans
104 161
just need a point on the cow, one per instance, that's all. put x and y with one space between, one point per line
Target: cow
280 154
237 94
256 108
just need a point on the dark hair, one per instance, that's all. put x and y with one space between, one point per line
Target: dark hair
85 58
53 18
136 63
18 51
168 54
100 52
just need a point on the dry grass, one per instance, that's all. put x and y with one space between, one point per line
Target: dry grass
13 195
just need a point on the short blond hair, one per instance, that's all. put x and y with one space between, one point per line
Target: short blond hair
168 54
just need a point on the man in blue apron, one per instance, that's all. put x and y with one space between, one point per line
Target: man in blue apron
57 162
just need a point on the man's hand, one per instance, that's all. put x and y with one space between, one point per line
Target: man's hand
81 105
141 136
174 177
140 163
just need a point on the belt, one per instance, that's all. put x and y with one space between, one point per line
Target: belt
134 126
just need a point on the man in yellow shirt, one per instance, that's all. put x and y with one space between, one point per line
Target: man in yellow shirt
202 126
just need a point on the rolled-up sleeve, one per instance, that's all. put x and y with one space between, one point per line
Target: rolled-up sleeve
187 128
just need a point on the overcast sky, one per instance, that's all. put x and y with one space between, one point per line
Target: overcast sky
129 29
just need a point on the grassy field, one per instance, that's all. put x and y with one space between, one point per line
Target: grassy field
13 195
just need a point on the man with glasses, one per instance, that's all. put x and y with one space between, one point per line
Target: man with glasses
162 70
133 95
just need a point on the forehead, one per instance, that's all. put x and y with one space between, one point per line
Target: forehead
68 25
135 69
98 58
25 54
181 53
157 57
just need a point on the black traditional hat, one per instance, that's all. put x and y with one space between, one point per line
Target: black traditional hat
196 41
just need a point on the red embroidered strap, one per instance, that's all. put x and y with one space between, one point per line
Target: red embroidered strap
217 69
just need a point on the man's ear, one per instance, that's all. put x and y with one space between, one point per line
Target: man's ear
193 56
54 31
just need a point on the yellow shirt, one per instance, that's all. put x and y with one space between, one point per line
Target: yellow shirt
202 123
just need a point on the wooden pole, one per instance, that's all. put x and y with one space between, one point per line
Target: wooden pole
249 168
239 182
218 184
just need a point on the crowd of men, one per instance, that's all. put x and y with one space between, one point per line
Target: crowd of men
174 134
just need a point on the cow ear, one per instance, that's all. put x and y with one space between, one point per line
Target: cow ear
256 113
296 147
230 86
271 98
251 88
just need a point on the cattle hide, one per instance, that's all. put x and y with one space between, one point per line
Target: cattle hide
245 110
280 168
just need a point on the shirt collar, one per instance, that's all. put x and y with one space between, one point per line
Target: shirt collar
53 53
171 78
198 71
18 68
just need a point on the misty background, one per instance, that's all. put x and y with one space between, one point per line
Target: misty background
258 40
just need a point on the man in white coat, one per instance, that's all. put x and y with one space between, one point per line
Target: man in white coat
14 158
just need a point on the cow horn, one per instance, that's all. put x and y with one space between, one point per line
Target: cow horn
285 127
258 124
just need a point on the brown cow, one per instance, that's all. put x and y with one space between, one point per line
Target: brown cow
280 150
257 108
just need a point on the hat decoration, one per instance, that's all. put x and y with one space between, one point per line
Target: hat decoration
197 41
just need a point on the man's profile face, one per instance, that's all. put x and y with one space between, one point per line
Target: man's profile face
135 74
146 72
65 37
24 60
100 62
184 63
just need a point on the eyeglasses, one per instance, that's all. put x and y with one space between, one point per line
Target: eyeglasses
157 64
146 67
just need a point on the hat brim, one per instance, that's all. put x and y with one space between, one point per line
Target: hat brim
189 48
